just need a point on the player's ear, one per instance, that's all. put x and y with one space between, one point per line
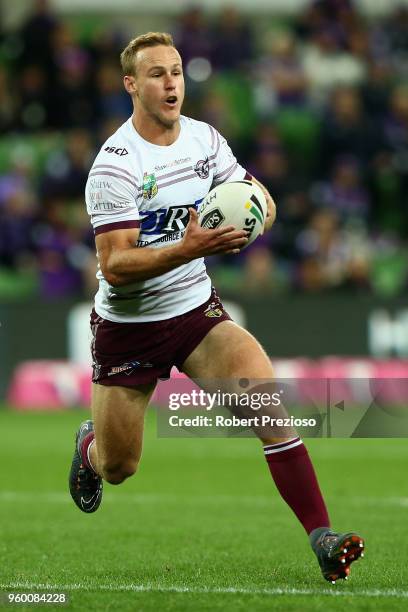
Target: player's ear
129 82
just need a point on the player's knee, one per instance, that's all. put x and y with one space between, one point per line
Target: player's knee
116 473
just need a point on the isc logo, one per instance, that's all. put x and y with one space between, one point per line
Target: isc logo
117 150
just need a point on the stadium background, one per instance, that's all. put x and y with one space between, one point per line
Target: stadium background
313 98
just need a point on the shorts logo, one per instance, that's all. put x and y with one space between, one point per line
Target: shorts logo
202 168
213 310
128 367
150 187
212 219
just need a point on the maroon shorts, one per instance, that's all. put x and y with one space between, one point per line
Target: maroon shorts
129 354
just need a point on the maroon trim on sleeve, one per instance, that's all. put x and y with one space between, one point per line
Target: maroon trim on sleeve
247 177
109 227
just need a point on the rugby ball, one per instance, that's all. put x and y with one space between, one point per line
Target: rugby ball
238 203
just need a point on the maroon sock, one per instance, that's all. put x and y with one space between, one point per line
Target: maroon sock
293 473
84 449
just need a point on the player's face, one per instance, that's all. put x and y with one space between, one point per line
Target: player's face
160 84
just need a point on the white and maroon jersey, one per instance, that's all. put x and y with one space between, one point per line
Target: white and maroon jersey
136 184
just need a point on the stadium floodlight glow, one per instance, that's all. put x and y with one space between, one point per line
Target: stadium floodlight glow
199 69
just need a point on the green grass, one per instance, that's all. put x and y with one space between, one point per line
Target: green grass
201 515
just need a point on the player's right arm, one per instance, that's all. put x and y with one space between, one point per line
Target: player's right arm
112 194
122 262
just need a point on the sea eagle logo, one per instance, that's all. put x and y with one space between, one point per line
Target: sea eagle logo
202 168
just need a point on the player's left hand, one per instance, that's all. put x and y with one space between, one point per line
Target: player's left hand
271 212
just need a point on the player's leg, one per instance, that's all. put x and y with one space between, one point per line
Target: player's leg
118 416
109 447
230 353
127 361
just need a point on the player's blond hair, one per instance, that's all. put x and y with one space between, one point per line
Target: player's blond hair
151 39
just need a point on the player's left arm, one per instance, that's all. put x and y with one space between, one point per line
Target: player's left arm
271 212
228 169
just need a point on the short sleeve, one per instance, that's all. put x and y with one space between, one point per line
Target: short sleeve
111 196
226 167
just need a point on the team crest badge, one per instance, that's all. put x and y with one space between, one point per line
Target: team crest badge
202 168
150 187
213 311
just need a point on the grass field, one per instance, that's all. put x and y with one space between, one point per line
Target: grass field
200 527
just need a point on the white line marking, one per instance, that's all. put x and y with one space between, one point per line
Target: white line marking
151 588
56 497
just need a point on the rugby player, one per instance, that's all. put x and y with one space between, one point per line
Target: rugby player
155 307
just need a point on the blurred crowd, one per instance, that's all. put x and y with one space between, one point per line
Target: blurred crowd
316 107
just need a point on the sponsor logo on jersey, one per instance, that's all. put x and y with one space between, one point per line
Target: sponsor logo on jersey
202 168
213 310
150 187
109 206
212 219
175 162
117 150
95 184
166 220
128 367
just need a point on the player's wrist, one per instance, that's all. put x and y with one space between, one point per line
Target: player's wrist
181 254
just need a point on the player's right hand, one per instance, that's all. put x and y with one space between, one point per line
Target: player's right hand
200 242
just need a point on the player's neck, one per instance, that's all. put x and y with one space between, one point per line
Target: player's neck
154 132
